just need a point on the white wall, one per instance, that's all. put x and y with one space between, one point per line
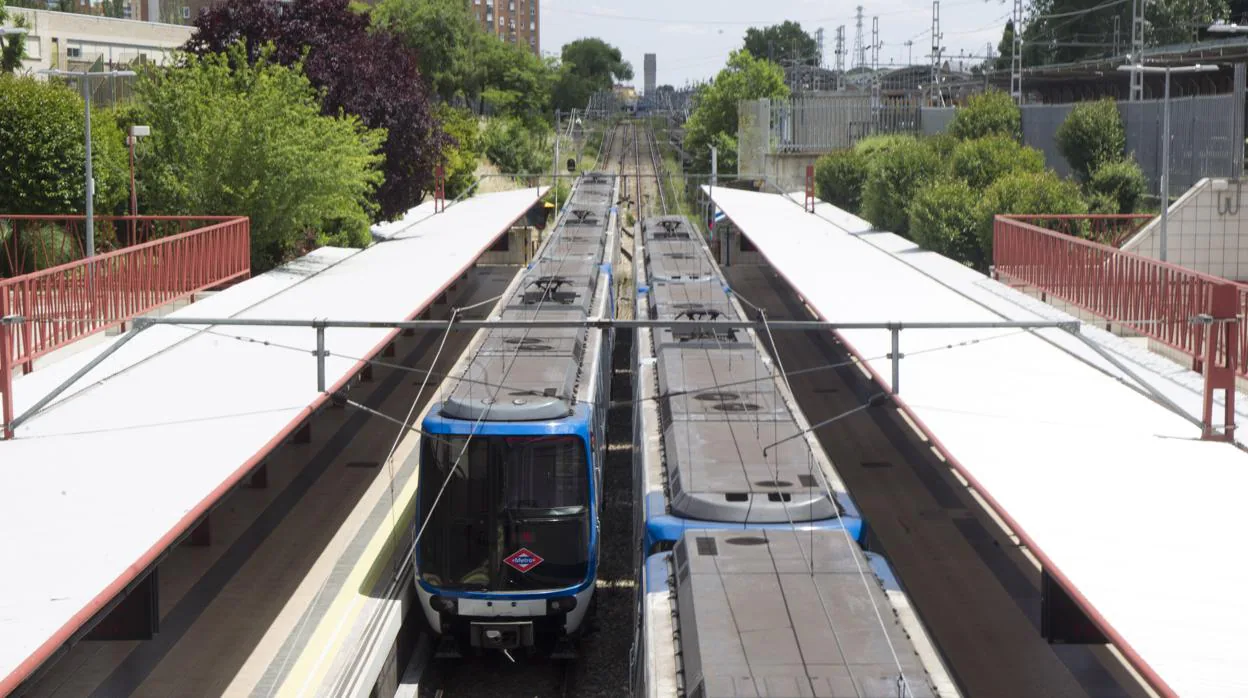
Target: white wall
54 36
1204 230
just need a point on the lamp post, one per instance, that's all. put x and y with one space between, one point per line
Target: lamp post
1165 131
85 78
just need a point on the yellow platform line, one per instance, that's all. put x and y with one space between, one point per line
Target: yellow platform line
326 641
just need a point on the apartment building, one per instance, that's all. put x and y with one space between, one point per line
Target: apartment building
80 41
517 21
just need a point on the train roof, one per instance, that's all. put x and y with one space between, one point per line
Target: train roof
732 445
539 369
754 619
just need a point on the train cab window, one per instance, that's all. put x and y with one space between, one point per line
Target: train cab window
546 473
504 494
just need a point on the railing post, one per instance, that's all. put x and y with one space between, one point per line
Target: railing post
895 355
6 363
810 189
1221 337
320 357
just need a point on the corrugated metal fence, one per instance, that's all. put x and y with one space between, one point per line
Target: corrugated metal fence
1202 136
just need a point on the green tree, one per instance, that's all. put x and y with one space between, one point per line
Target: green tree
42 155
588 66
12 48
1005 49
992 113
786 44
229 137
444 32
1091 136
460 157
1023 193
982 161
893 181
714 121
1065 31
516 148
943 220
512 81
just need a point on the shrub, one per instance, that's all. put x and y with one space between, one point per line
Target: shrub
1092 136
982 161
873 146
943 220
1026 192
41 133
839 177
992 113
943 144
1121 182
515 148
892 182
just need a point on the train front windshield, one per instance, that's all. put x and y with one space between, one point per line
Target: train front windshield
514 515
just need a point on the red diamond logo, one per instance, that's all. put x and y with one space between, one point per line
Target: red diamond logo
523 559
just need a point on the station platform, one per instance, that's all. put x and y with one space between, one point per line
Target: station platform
102 485
1072 453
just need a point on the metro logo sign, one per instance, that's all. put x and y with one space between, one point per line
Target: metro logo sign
523 560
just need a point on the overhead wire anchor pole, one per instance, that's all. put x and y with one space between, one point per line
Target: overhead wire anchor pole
320 355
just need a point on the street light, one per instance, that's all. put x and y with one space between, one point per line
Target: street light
85 76
1165 131
12 31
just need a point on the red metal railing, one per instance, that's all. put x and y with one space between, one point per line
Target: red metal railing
29 243
1162 301
1107 229
65 303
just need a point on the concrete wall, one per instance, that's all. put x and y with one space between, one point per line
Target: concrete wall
1207 230
72 41
787 170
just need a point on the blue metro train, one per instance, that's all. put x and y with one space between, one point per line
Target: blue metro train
511 455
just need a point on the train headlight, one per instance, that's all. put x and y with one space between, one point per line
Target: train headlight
443 604
562 604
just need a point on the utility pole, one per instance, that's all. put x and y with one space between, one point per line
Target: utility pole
1117 35
936 50
875 73
1137 50
909 52
1016 60
840 58
860 52
819 41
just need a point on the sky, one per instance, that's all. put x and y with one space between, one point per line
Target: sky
692 38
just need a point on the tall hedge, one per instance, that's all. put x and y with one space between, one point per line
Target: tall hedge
839 177
991 113
982 161
1091 136
892 181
